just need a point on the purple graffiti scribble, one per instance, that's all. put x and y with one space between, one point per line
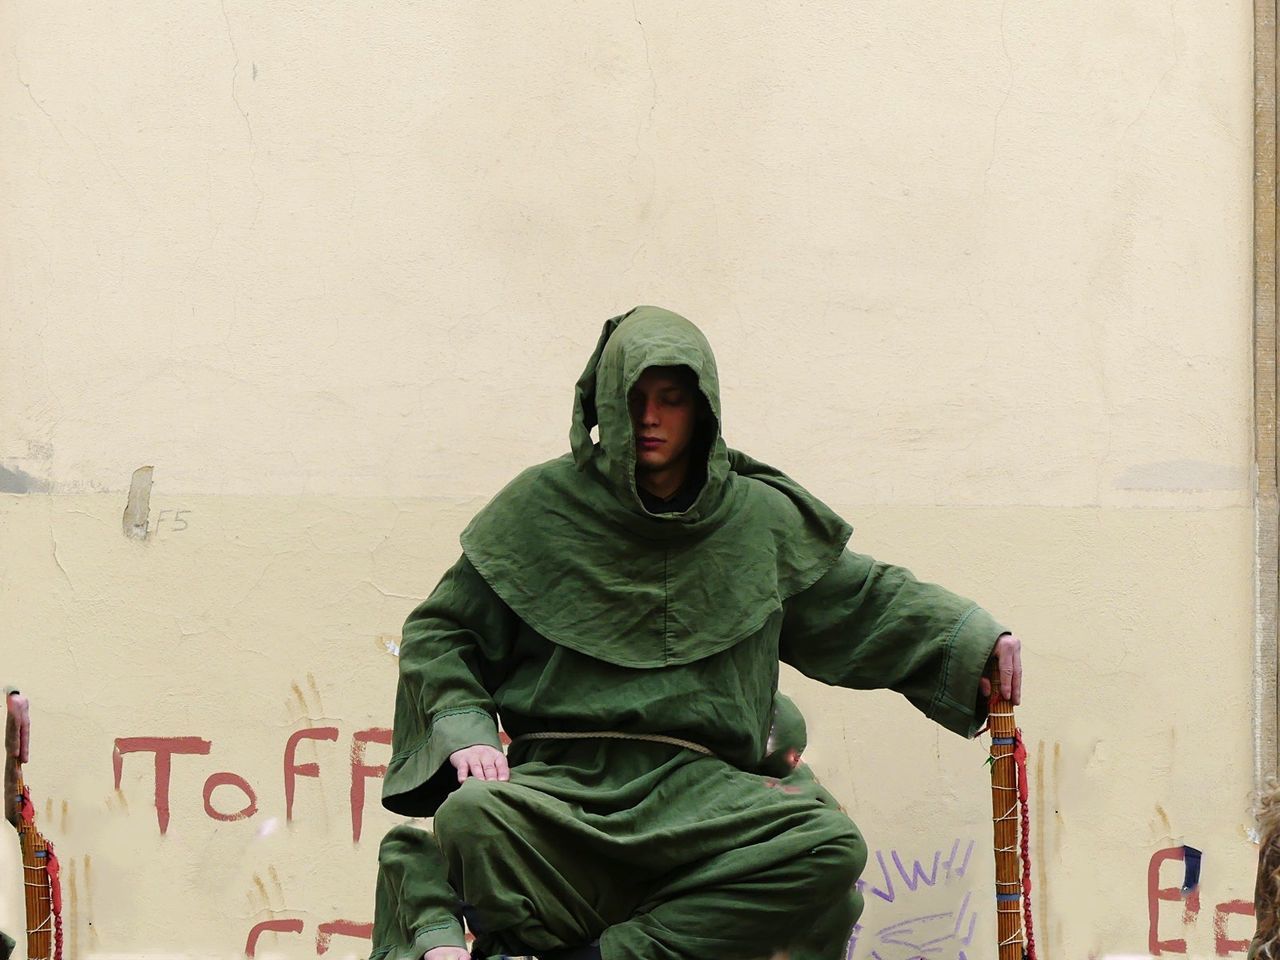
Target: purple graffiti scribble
885 895
973 923
852 945
917 875
968 852
914 933
931 936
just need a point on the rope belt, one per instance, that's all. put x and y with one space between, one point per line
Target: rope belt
615 735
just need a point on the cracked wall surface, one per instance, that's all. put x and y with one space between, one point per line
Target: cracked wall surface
978 276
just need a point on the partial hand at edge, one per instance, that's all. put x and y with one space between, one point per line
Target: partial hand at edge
20 745
1008 655
482 762
447 953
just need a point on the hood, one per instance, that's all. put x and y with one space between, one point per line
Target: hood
570 548
629 344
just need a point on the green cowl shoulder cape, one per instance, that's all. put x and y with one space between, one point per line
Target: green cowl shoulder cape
570 548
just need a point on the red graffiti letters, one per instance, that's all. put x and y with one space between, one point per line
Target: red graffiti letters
325 932
165 748
292 769
1223 944
232 780
274 926
361 771
341 928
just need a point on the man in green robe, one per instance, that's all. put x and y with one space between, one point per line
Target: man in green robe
624 609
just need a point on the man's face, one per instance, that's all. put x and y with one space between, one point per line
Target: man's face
663 405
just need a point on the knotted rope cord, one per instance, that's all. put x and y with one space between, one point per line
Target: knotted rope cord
615 735
1010 806
55 899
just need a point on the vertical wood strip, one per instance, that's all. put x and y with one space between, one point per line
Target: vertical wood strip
1266 500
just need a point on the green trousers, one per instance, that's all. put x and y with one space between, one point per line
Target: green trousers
656 856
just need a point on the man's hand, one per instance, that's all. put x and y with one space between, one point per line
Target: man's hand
20 744
482 762
1008 655
447 953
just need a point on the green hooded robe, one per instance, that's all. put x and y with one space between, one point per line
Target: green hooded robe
574 609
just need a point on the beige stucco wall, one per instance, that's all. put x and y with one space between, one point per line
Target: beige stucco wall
978 275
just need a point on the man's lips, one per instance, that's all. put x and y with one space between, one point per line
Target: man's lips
649 443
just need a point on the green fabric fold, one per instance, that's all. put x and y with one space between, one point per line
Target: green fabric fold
968 648
448 933
868 624
414 910
421 764
450 650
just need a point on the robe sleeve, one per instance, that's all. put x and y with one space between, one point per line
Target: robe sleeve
869 625
454 652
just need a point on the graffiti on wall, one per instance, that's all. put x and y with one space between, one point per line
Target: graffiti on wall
916 927
163 750
934 907
227 796
1227 930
